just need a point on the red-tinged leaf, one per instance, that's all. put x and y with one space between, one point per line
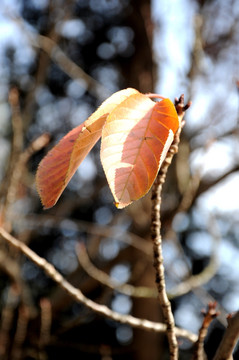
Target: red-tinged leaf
135 140
59 165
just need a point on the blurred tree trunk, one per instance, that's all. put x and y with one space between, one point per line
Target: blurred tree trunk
139 70
139 73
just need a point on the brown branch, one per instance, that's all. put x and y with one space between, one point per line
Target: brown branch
189 195
18 158
78 295
8 188
156 236
205 186
56 54
209 315
21 332
20 166
195 281
103 278
7 319
12 269
69 67
99 230
134 240
46 322
229 339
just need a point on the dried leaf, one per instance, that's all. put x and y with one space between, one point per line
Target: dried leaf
135 140
59 165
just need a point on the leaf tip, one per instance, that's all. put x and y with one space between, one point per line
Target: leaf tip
117 204
121 205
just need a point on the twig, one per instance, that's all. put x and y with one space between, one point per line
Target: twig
13 271
20 165
7 318
17 126
209 315
103 278
18 159
78 295
56 54
69 67
183 288
8 189
21 332
46 321
134 240
156 237
229 339
195 281
190 192
206 185
92 228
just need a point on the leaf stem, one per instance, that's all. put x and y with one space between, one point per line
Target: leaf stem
153 95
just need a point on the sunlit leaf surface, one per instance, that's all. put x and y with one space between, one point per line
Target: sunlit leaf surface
59 165
135 141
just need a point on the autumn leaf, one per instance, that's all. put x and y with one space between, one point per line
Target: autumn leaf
59 165
135 140
137 133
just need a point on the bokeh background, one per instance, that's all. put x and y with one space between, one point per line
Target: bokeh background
59 59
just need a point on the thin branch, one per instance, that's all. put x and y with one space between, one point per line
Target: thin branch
209 315
134 240
94 229
12 269
7 319
18 159
8 189
57 55
20 166
195 281
207 273
69 67
21 332
205 186
156 236
46 322
190 192
78 295
182 288
103 278
17 126
229 339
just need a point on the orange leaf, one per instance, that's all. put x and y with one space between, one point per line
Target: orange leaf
60 164
135 140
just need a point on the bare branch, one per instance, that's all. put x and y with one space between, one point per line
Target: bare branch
8 188
156 236
56 54
207 273
229 339
46 322
103 278
69 67
209 315
7 318
21 332
78 295
94 229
